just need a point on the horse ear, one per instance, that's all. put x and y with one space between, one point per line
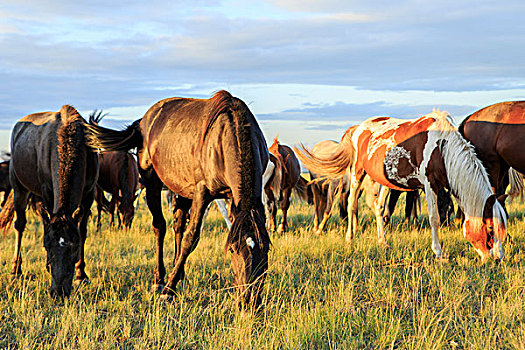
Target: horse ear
487 210
502 198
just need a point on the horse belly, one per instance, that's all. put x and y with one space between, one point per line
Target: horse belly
510 146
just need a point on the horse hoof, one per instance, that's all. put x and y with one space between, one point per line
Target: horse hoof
442 257
166 298
82 281
17 277
157 288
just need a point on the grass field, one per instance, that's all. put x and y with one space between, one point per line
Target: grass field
319 294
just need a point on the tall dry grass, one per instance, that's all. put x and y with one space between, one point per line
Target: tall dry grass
319 294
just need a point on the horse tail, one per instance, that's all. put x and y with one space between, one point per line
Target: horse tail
303 191
106 139
334 165
8 213
516 183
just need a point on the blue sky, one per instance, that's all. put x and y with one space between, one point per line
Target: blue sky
308 69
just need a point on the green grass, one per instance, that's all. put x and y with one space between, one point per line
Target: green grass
319 292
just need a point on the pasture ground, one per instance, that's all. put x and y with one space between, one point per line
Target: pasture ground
319 293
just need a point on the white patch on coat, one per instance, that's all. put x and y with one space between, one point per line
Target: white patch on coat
250 242
392 158
62 242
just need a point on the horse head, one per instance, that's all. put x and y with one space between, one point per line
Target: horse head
486 234
62 243
249 243
126 210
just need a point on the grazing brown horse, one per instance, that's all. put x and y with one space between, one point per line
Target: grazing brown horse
118 176
5 185
287 165
497 132
202 149
428 153
50 159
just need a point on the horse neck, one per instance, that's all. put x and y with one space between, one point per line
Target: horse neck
250 187
466 175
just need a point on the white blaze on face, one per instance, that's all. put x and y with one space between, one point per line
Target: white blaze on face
250 242
62 242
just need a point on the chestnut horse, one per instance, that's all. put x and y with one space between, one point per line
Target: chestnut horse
287 167
202 149
497 132
118 176
51 160
427 153
325 190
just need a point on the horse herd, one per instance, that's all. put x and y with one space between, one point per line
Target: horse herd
213 149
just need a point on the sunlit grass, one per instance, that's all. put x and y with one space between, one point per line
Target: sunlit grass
320 293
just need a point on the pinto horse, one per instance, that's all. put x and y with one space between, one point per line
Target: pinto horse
119 176
497 132
289 170
51 160
202 149
427 153
325 191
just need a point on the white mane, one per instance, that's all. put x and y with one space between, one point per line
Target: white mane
466 175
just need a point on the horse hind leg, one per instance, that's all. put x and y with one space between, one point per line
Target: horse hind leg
328 203
20 202
85 211
355 185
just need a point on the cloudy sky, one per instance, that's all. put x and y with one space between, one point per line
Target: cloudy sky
308 69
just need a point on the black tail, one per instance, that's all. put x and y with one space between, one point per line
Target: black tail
114 140
304 191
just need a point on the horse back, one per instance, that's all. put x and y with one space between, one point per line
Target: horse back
40 156
391 150
174 146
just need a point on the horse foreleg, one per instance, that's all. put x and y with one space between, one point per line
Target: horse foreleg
411 207
201 199
112 204
85 209
98 199
379 208
285 204
180 218
355 183
391 207
433 216
221 205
